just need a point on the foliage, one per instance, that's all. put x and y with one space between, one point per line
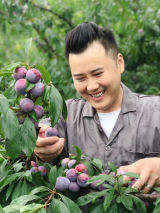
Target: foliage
23 191
136 25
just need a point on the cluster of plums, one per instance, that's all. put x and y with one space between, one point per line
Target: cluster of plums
35 168
75 177
22 75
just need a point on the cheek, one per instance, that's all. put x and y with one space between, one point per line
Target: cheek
80 87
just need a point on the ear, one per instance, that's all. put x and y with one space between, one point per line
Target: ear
120 63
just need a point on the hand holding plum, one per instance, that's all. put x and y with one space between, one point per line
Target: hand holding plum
149 171
48 148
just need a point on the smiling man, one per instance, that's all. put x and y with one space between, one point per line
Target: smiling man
109 122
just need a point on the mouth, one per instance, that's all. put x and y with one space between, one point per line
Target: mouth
97 95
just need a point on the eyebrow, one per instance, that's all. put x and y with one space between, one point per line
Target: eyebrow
92 71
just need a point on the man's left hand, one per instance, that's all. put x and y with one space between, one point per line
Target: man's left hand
148 170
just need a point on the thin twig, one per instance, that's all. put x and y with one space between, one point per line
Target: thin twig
53 12
148 197
50 198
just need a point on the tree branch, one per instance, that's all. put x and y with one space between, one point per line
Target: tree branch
45 40
148 197
56 14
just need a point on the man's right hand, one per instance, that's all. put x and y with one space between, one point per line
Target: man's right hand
48 148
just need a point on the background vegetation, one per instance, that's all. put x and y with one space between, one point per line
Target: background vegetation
135 23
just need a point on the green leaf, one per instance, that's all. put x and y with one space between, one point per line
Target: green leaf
9 179
33 115
4 104
113 209
91 197
157 189
1 209
72 206
108 199
157 201
132 174
53 176
28 175
78 153
139 203
55 105
97 163
27 47
9 68
3 170
45 74
39 189
29 86
100 178
112 167
89 166
9 190
156 209
29 137
127 202
18 166
18 203
58 206
10 127
130 190
17 190
97 207
31 208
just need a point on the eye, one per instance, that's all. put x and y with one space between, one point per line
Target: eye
98 74
80 79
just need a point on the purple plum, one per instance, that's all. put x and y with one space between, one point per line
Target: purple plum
39 111
74 187
82 180
34 170
38 90
26 105
62 183
51 132
33 75
42 170
20 86
72 174
19 72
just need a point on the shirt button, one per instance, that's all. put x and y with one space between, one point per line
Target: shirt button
108 148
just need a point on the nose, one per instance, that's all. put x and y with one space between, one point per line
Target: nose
92 85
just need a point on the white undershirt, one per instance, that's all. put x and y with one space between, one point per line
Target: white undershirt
108 120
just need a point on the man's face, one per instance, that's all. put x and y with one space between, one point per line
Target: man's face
97 77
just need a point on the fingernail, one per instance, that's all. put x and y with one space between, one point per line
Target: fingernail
61 140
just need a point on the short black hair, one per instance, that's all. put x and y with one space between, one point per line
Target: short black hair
78 39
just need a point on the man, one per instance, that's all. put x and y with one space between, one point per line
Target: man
109 122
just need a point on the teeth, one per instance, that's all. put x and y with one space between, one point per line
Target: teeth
98 94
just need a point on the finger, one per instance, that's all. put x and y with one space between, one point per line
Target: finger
48 157
141 181
41 142
123 170
150 184
50 149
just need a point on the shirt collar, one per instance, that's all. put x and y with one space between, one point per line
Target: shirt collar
128 103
